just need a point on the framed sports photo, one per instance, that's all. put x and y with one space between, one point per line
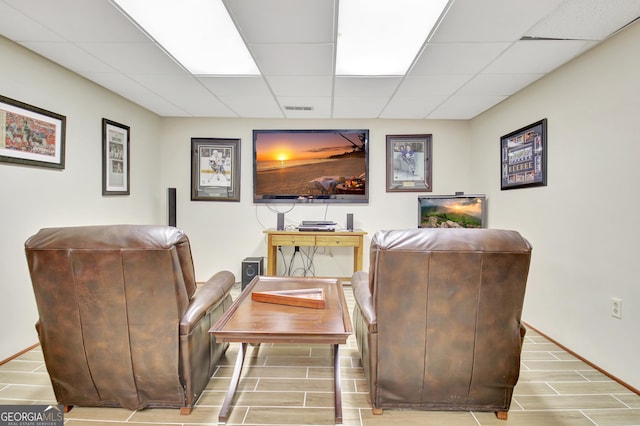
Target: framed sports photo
215 169
30 135
523 157
115 158
409 163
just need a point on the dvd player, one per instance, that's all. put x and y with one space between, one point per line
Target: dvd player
316 228
317 222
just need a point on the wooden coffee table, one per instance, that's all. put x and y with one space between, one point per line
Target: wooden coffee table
248 321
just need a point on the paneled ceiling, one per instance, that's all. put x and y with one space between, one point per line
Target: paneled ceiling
480 53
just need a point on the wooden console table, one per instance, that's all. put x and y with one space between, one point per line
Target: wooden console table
294 238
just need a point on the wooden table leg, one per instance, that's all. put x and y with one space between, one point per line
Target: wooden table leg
272 257
337 385
235 378
357 254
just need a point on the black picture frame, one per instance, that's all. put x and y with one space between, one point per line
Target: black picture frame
30 135
215 169
115 158
523 157
409 163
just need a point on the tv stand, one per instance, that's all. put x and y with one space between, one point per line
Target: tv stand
276 239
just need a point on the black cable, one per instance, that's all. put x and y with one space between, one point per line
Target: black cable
284 260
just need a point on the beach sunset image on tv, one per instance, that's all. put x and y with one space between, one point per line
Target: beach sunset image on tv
309 164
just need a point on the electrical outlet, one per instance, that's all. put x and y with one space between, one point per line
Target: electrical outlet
616 307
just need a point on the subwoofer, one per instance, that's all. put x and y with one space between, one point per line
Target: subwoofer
251 267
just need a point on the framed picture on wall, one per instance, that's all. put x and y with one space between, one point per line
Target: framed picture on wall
115 158
409 163
30 135
215 169
523 157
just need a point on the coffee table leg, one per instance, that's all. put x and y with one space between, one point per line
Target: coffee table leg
338 387
235 378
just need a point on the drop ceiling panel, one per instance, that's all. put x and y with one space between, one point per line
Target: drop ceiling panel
77 20
456 58
431 85
134 58
284 21
491 20
411 107
19 27
205 108
128 88
185 92
465 107
365 86
574 19
69 54
314 86
369 107
497 84
536 56
249 106
236 85
294 59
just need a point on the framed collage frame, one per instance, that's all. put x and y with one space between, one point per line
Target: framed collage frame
30 135
115 158
409 163
523 157
215 169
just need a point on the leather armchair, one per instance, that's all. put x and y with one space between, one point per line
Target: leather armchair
122 322
437 320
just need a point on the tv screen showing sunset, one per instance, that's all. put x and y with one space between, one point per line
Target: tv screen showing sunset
309 163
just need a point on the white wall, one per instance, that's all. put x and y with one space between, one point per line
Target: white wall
223 233
33 198
583 225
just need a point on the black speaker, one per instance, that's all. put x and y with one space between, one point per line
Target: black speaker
251 267
171 202
280 226
349 221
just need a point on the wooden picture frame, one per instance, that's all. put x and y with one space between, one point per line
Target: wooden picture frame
215 169
115 158
30 135
523 157
409 163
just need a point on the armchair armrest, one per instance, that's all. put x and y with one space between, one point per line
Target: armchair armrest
363 298
207 296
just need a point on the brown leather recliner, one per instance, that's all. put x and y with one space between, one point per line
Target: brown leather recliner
437 320
121 320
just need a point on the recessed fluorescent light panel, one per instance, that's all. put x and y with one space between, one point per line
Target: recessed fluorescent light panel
197 33
383 37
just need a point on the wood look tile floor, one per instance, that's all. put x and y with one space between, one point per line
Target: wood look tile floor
292 385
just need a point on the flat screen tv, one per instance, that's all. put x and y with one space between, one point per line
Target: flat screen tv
310 166
452 211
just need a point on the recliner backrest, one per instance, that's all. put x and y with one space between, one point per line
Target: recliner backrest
448 304
110 299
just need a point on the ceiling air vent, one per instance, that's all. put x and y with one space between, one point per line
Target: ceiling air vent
297 108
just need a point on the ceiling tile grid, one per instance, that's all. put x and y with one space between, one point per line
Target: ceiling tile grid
479 53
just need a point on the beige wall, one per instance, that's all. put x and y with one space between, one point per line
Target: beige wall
33 198
224 233
581 225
